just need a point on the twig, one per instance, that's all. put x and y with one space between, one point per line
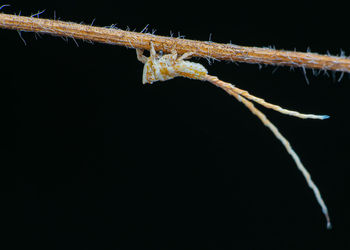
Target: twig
166 44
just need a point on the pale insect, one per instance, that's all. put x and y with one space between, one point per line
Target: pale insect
164 67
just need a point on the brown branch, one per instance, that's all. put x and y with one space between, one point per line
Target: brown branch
200 49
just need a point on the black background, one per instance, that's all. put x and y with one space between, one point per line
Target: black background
100 161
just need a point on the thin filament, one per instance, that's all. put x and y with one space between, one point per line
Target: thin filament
277 108
240 96
231 88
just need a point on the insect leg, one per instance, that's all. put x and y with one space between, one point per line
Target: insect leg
140 56
152 51
187 55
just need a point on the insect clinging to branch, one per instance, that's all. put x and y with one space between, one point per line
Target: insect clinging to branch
165 67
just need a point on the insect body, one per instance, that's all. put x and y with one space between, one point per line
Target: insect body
162 68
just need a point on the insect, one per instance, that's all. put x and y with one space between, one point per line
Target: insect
159 67
166 67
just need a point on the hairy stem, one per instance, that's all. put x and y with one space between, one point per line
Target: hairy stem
166 44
